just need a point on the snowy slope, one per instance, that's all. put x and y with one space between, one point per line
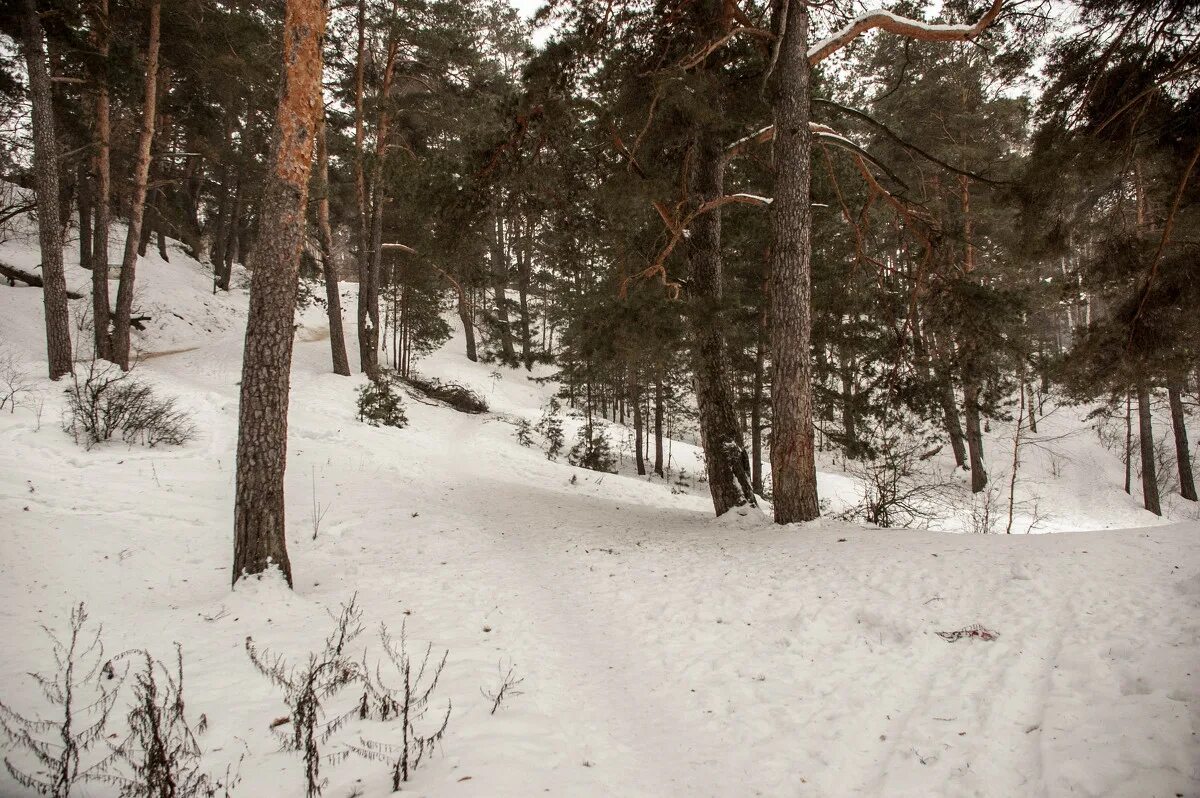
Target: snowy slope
663 653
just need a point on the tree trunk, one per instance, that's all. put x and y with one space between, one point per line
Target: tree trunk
45 168
259 528
83 199
137 207
499 274
793 459
524 271
725 456
979 476
1146 444
756 407
635 398
950 415
658 422
1129 443
333 296
101 310
1183 452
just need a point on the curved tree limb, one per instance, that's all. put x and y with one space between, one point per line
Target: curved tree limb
903 26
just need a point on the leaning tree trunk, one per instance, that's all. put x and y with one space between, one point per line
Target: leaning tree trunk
1146 444
979 476
1183 453
259 529
793 459
725 456
333 296
137 206
45 169
101 311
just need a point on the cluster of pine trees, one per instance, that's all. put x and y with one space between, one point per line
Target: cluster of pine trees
805 225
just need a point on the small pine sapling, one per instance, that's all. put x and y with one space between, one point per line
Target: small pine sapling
82 690
380 405
524 433
592 450
406 702
309 688
551 428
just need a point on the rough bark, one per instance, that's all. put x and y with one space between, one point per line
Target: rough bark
45 169
137 207
1146 443
259 528
971 411
793 459
333 296
464 315
101 308
1183 452
725 456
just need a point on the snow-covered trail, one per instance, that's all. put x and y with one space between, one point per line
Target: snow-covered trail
664 653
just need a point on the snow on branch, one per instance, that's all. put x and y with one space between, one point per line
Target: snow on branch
904 26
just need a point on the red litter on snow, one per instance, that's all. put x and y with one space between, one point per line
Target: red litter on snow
974 630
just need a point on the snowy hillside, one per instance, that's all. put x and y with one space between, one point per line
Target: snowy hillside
662 653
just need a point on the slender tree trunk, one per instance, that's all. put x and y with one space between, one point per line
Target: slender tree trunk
725 456
635 398
1146 444
499 274
137 207
1183 452
368 293
524 271
953 426
101 310
45 168
333 296
793 459
259 528
979 476
83 199
756 407
658 422
1129 443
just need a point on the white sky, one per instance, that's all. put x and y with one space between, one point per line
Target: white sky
526 7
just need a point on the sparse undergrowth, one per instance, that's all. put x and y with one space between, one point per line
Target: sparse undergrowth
107 402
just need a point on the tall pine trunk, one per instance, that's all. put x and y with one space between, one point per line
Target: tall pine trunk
1146 444
333 296
756 407
524 272
793 459
1183 453
725 456
979 476
83 201
45 169
658 422
259 528
137 206
101 310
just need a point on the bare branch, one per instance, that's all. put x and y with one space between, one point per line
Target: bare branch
903 26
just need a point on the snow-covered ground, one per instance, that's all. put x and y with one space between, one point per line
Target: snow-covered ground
664 653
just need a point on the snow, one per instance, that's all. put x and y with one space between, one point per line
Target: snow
663 652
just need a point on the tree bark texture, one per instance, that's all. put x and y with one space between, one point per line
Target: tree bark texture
1183 452
793 458
101 309
979 475
1146 443
45 169
725 456
259 521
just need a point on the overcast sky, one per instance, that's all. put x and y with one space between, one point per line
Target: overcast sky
526 7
